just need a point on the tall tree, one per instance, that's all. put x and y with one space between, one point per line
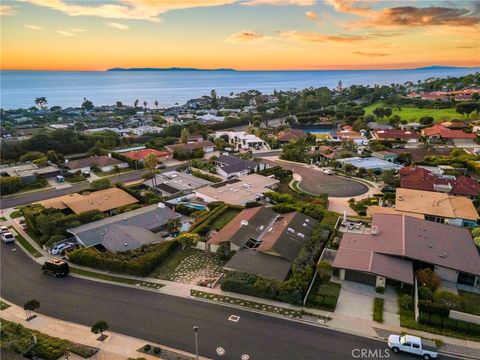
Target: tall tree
100 327
41 102
87 104
213 99
150 162
135 103
156 104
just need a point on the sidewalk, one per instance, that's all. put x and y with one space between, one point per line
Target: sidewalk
115 347
340 322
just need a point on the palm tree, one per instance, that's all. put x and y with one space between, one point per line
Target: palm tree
30 306
156 105
150 162
135 103
116 170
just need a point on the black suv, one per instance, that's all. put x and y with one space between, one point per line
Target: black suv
56 267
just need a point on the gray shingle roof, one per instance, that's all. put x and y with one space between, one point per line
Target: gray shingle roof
231 164
137 226
255 262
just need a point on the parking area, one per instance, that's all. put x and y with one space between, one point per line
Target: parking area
356 300
316 182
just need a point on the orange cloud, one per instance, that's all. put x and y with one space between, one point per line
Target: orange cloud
349 6
118 26
320 38
280 2
369 54
33 27
410 16
245 36
311 15
7 10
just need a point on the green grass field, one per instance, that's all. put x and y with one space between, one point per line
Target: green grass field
412 114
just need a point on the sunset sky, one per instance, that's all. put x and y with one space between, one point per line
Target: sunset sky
239 34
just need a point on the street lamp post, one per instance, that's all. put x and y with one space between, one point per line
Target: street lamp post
195 331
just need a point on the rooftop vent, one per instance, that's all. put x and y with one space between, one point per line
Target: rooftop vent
125 244
300 235
443 255
244 222
290 230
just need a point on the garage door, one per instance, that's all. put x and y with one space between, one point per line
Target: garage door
360 277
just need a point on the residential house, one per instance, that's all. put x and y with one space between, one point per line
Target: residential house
230 166
140 155
370 163
127 231
239 139
419 178
408 136
456 137
358 138
28 173
104 163
266 242
397 244
385 155
206 146
285 136
248 188
437 207
146 129
174 182
107 201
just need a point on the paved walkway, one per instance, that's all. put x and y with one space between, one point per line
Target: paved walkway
346 322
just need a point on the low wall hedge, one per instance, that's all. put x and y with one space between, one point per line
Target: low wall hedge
432 308
138 262
445 322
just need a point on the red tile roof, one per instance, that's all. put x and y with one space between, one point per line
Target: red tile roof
418 178
445 133
396 134
142 154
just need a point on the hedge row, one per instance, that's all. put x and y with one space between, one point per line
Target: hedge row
138 262
452 324
203 224
432 308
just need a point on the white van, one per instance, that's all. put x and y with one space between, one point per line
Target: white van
59 179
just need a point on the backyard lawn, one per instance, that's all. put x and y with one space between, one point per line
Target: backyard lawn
413 114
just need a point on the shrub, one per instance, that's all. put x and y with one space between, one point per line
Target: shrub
100 184
448 300
138 262
157 350
406 302
424 293
380 289
427 278
147 348
378 309
436 320
432 308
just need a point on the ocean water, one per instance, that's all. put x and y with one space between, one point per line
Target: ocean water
68 88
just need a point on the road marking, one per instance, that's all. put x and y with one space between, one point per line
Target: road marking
245 357
234 318
220 350
14 249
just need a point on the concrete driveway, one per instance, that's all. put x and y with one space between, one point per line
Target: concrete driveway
357 300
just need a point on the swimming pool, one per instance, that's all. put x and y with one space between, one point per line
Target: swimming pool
195 206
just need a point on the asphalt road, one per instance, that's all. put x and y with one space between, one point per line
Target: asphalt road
316 182
169 320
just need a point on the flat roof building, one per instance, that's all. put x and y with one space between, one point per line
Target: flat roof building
370 163
103 200
238 191
174 182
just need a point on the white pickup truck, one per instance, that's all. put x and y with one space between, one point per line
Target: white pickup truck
413 345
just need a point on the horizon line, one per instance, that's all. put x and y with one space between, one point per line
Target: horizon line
247 70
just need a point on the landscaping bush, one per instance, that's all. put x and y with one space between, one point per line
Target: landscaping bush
208 177
147 348
433 308
427 278
138 262
406 302
380 289
425 293
378 309
447 323
157 350
447 299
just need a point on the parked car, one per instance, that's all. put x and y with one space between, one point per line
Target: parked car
69 247
414 345
328 172
3 229
388 189
257 147
160 166
59 179
56 267
7 237
23 224
57 249
86 174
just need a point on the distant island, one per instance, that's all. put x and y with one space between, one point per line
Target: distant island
167 69
439 67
